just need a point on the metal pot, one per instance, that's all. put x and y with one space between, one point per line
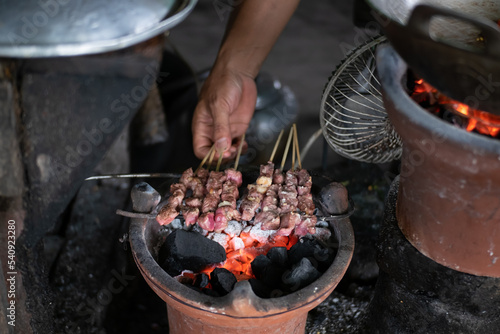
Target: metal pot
453 45
32 28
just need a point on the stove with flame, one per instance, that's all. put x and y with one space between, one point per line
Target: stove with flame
241 310
470 119
439 254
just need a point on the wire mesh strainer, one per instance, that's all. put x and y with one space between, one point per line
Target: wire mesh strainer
353 117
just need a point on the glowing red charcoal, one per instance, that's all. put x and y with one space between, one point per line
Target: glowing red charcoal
477 120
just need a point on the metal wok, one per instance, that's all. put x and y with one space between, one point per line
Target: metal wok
453 45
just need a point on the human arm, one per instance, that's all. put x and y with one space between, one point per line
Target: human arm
227 99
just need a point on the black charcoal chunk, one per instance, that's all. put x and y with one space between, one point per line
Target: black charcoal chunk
301 275
273 276
185 250
171 266
259 264
259 288
201 280
222 281
320 257
334 198
278 255
210 292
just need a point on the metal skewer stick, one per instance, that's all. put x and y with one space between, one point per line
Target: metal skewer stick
239 152
205 158
297 145
276 146
126 176
286 149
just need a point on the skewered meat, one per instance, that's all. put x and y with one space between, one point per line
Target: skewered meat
278 177
202 174
190 215
290 178
167 214
215 182
267 169
229 192
223 215
232 204
234 176
306 204
270 219
178 191
210 203
288 222
288 199
194 202
206 221
303 178
306 226
248 208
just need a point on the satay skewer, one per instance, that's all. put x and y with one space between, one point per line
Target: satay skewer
239 152
293 151
286 149
297 145
221 154
276 146
205 158
211 158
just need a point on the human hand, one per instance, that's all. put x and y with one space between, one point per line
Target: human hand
225 108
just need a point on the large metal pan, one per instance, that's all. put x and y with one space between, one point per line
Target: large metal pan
48 28
453 45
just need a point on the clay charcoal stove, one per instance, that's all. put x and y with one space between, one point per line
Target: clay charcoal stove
283 275
441 216
280 215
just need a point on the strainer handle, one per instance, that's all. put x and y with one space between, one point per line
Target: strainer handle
420 19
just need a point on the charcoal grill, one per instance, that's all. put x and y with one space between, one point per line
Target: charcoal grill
240 311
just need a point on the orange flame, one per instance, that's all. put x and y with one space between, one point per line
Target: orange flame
477 120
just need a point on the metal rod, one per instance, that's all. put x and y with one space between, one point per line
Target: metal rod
135 214
310 142
276 145
125 176
286 148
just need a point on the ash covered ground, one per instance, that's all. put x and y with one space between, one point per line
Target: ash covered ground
98 289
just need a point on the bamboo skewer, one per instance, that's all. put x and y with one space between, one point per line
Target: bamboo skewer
239 152
297 145
221 154
205 158
276 146
211 158
293 151
286 149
